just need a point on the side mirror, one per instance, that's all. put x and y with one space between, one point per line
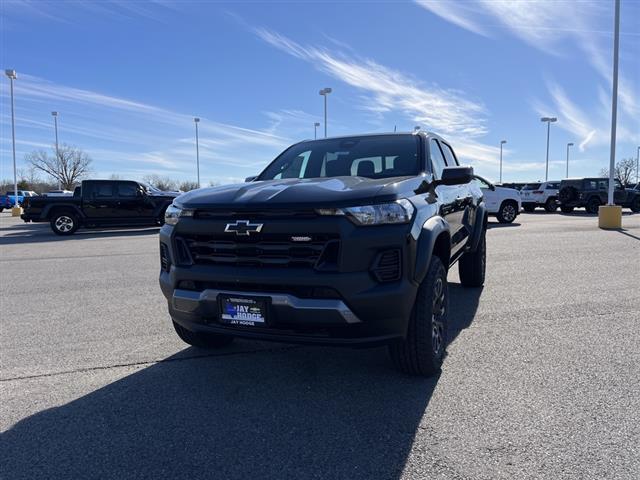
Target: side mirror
251 178
456 175
450 176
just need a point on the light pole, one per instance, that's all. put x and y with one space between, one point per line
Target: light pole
16 210
614 99
324 92
315 130
549 121
570 144
502 142
55 126
610 215
196 120
637 164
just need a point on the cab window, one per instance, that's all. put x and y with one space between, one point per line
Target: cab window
127 189
449 155
437 158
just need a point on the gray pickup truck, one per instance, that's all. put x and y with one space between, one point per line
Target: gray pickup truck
340 241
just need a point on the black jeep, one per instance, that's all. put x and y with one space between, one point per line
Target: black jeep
340 241
590 193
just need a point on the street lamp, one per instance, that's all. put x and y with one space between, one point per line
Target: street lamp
315 130
55 126
502 142
570 144
196 120
16 210
549 121
610 215
324 92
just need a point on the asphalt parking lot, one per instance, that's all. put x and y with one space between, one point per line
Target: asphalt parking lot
541 378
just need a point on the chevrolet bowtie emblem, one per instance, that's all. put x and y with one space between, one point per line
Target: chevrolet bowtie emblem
243 228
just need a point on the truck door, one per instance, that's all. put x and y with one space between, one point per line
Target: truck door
452 208
133 205
99 200
619 193
465 204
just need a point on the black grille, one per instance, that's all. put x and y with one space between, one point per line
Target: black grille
207 214
387 266
165 263
275 250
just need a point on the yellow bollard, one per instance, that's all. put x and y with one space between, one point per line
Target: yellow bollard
16 211
610 216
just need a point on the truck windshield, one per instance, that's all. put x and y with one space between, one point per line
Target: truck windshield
378 156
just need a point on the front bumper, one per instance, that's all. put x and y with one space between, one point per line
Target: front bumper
362 311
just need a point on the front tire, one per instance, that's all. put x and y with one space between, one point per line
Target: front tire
508 212
64 223
200 339
421 352
472 265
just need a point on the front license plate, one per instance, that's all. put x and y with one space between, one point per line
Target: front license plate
243 311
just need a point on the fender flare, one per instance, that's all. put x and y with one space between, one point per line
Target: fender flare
479 227
429 234
161 208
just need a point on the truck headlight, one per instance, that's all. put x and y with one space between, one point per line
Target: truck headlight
172 214
400 211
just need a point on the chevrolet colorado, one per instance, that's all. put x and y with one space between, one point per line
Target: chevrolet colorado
339 241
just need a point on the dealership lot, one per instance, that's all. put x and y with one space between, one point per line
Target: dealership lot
541 378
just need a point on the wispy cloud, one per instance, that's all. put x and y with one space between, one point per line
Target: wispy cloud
445 110
132 136
555 27
588 127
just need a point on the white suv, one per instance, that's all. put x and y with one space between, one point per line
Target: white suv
542 194
502 202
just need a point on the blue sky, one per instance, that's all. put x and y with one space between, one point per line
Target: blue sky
128 77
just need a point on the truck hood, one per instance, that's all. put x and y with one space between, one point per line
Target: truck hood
294 192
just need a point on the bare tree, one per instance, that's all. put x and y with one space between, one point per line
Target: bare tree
187 186
68 166
161 183
625 171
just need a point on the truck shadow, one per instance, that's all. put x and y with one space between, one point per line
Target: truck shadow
502 225
463 305
33 233
299 413
287 412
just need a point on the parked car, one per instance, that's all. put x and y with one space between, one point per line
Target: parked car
59 193
501 202
339 241
540 194
515 185
100 203
8 200
590 193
